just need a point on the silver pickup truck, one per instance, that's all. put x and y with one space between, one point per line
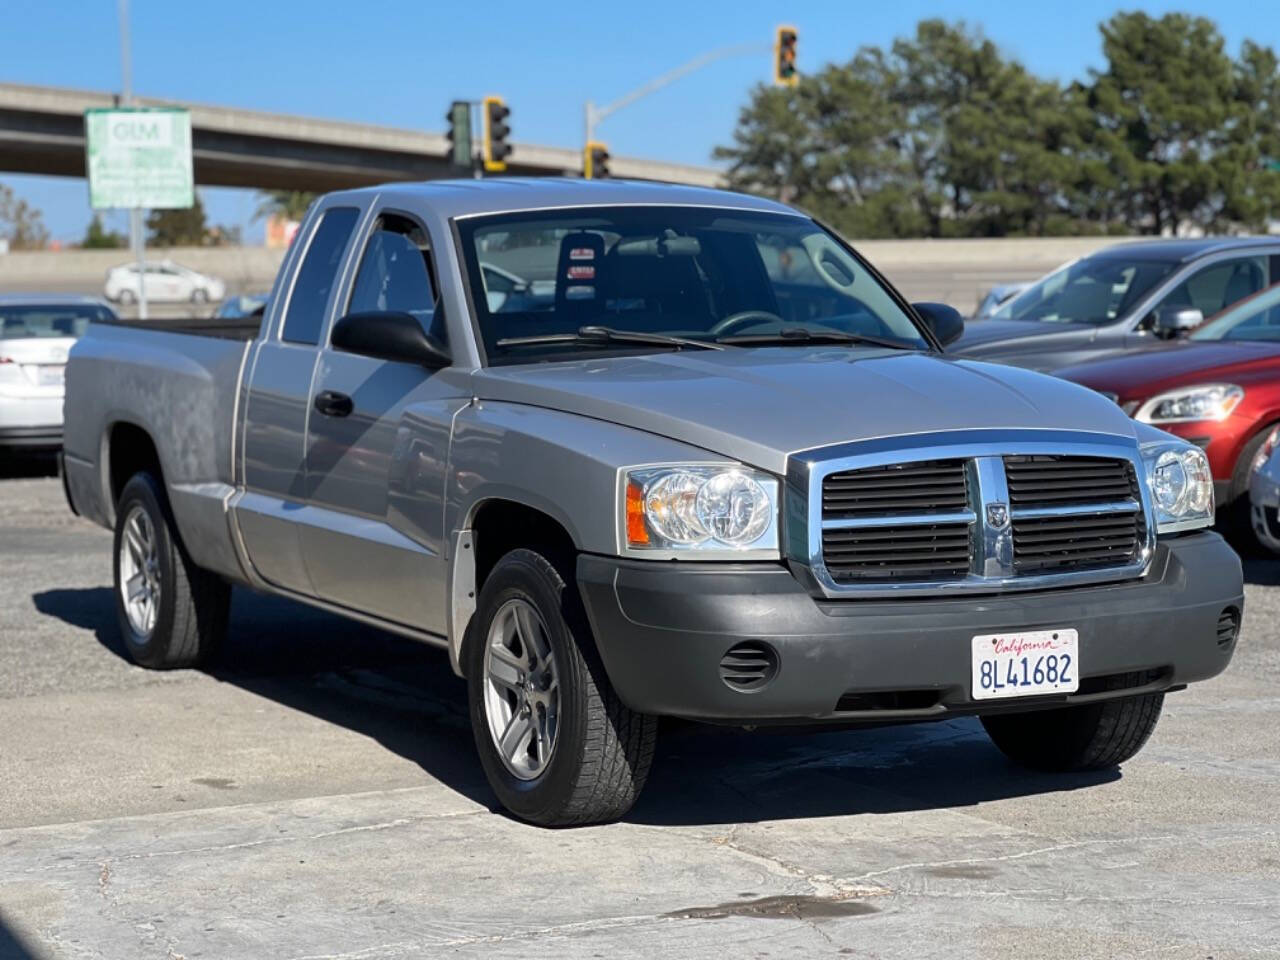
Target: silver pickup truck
627 451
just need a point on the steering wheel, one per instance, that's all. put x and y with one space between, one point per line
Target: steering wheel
742 318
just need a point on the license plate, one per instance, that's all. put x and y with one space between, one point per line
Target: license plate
1025 664
51 375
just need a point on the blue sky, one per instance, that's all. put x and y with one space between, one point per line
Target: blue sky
400 63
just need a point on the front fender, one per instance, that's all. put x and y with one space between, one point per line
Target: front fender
560 463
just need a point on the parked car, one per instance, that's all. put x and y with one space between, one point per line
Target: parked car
165 280
1219 388
1264 492
695 486
1123 298
996 297
237 308
36 333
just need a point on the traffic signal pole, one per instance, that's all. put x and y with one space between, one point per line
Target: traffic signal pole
592 115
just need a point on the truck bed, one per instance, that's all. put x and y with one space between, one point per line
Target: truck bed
242 328
174 382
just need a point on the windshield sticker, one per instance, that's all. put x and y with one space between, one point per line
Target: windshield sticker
582 273
580 292
581 253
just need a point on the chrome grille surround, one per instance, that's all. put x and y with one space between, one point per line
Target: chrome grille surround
991 567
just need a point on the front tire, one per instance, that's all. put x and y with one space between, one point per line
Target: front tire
1095 736
199 295
127 298
171 612
557 745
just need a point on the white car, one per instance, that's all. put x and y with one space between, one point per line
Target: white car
36 333
165 281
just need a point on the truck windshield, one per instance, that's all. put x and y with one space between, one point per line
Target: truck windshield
1095 290
686 273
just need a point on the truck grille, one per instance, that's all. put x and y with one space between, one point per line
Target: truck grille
871 541
1052 480
931 486
1078 542
931 551
973 517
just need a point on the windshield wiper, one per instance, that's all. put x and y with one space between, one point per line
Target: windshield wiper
799 335
594 334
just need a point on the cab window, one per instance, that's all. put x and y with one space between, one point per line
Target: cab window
395 272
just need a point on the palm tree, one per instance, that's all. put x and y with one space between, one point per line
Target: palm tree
289 204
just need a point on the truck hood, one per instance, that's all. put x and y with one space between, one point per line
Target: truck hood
760 405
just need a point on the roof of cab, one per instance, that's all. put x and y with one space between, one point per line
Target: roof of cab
460 198
1182 249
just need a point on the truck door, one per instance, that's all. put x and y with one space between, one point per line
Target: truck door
278 404
377 447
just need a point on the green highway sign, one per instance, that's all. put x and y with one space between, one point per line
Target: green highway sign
139 157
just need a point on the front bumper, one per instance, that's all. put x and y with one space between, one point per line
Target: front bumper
663 629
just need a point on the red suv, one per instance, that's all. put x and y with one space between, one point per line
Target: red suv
1218 388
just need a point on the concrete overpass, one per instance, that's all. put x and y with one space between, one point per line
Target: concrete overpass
42 132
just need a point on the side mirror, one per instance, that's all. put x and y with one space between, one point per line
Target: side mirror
389 335
1170 322
945 321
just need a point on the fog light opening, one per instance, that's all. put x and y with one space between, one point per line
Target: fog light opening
1228 627
749 666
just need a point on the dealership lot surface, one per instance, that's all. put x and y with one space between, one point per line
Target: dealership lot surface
317 795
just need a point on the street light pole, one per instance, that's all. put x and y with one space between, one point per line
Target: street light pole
136 240
592 115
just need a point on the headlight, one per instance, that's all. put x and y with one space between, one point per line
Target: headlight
1210 401
725 510
1181 486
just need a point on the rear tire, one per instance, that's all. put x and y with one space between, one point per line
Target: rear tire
598 751
1095 736
172 613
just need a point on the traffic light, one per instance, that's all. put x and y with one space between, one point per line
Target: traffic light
595 161
784 58
496 130
459 117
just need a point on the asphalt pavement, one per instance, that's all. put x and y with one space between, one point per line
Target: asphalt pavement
316 795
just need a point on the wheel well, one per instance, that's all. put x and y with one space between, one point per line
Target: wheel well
500 526
1239 484
130 450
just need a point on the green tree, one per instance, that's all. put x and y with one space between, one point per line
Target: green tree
1167 122
178 228
20 223
941 135
290 204
98 237
990 144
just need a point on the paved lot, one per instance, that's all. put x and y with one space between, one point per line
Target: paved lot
317 796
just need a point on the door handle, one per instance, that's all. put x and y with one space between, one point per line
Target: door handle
334 404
